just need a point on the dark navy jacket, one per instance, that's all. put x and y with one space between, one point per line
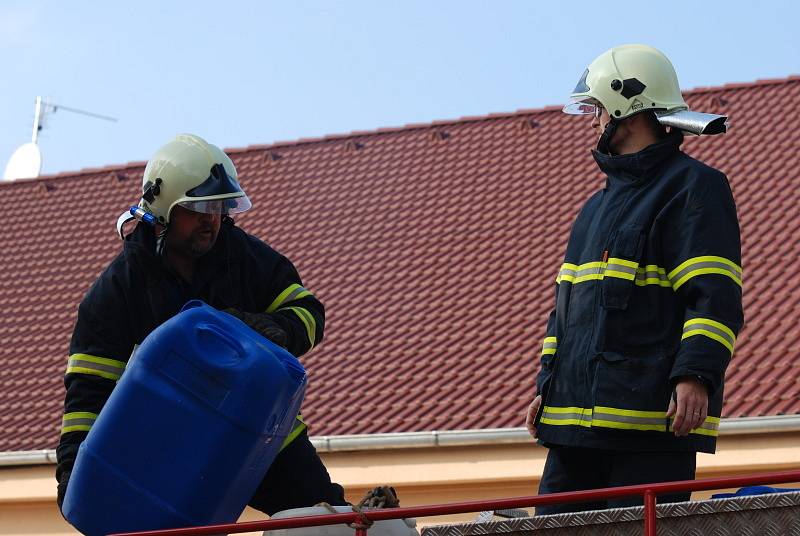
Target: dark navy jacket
138 292
650 291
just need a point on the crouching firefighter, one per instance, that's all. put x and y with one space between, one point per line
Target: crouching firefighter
186 246
649 297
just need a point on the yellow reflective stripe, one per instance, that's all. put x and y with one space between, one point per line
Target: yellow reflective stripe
706 264
77 421
111 369
570 409
710 328
623 262
652 275
299 426
597 270
291 293
629 419
632 412
710 427
308 320
573 416
549 346
619 418
629 425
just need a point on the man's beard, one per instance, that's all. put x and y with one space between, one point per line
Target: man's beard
198 245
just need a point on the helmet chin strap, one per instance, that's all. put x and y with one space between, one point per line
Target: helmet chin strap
605 138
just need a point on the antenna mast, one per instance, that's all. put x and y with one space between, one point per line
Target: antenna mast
26 162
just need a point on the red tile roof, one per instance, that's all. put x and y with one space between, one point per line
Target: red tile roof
434 248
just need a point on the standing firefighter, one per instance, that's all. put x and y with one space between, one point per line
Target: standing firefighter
188 247
648 300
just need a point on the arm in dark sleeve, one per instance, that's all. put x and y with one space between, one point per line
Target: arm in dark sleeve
99 351
703 254
549 348
295 309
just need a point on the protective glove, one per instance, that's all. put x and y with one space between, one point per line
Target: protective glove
263 324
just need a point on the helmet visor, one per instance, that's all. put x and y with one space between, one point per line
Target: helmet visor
583 106
231 205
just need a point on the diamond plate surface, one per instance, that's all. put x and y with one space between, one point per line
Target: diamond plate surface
770 515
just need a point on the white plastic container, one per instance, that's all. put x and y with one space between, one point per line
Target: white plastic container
389 527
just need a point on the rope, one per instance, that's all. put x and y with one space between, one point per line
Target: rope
380 497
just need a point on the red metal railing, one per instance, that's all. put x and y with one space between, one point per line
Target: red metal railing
649 491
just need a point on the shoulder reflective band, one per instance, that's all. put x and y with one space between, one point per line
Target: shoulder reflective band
289 294
297 429
78 421
621 419
308 321
579 273
98 366
707 264
711 329
549 346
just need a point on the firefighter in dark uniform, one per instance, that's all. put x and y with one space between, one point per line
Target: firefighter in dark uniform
648 299
186 247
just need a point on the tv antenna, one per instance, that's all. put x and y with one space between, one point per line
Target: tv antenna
26 161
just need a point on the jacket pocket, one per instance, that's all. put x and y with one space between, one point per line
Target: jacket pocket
631 392
620 272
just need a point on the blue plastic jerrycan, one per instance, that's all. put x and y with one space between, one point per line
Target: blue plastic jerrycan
190 429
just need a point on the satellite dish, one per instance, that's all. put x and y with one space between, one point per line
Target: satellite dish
25 163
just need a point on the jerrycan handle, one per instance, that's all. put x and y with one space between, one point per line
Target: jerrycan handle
222 334
213 328
191 304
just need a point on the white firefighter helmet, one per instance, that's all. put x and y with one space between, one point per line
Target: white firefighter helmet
629 79
190 172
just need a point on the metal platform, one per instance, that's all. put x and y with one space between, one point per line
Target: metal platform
758 515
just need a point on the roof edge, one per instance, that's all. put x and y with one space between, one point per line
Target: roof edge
447 438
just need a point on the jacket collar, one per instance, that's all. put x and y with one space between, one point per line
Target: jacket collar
642 166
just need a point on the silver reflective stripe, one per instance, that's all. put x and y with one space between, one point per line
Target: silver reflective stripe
599 415
621 268
568 272
594 270
708 425
293 295
703 265
550 345
567 416
652 275
77 421
710 328
96 366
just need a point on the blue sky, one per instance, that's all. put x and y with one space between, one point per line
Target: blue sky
244 72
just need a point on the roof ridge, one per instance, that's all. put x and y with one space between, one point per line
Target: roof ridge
391 130
283 144
62 175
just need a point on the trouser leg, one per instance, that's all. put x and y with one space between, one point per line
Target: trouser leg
572 469
631 468
297 478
